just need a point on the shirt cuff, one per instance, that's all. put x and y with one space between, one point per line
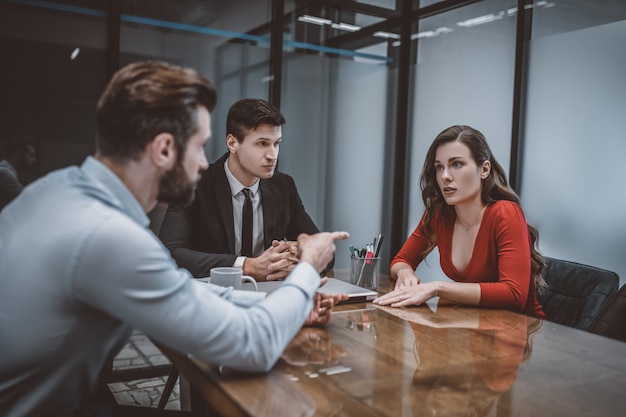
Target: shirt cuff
239 262
305 277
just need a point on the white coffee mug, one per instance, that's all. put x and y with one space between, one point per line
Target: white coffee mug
228 276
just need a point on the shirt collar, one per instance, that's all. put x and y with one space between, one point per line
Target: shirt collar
118 193
235 185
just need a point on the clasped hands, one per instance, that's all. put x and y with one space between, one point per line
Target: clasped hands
275 263
281 258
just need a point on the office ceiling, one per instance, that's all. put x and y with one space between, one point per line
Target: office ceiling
193 12
255 15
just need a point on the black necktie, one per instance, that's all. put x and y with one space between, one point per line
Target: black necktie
246 224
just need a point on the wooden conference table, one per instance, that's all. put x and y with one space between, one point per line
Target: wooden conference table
432 360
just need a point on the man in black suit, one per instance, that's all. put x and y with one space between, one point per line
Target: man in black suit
207 234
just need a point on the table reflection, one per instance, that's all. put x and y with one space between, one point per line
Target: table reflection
312 346
309 356
466 359
364 319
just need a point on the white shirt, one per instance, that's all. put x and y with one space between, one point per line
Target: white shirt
238 197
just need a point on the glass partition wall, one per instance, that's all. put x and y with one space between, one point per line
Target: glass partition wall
464 75
335 140
365 87
330 130
335 104
572 184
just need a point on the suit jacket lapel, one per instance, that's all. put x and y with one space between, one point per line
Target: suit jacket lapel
269 201
222 189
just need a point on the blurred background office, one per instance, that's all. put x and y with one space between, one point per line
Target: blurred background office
365 87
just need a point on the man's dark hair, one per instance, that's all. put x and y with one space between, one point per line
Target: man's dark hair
147 98
248 113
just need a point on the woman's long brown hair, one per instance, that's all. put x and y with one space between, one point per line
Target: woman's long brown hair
494 188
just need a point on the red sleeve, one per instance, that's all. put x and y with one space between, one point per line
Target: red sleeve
412 250
512 243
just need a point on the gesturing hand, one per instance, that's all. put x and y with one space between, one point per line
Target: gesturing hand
318 249
322 308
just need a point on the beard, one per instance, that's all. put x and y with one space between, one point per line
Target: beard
176 188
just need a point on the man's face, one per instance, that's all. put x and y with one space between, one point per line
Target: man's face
256 156
178 185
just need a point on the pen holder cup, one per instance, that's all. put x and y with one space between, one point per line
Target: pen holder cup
364 272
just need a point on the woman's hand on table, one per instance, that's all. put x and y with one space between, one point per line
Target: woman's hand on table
408 295
406 278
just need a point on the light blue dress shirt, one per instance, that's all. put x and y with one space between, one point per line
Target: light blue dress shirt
79 269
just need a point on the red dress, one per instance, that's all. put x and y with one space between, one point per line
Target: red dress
500 262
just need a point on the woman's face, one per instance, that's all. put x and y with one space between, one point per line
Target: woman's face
458 176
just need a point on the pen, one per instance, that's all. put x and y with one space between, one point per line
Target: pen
380 242
369 254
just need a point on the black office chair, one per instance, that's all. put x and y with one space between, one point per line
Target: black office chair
576 293
612 320
156 216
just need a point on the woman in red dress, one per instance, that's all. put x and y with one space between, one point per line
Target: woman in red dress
475 220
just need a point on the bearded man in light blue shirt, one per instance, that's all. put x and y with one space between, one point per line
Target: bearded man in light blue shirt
79 268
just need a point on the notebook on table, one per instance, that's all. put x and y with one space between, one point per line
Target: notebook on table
355 293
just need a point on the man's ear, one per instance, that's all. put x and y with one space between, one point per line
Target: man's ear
232 143
163 150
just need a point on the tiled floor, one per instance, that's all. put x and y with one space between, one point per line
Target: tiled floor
140 352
